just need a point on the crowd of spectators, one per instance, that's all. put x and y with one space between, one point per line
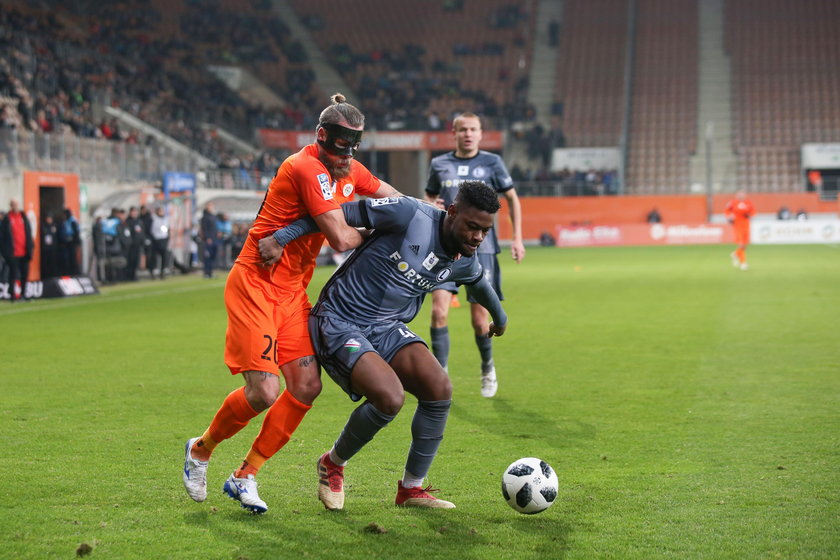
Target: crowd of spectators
57 72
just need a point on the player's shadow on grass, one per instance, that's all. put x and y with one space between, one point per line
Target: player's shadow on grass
523 423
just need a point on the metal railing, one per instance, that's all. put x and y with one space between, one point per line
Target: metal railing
95 159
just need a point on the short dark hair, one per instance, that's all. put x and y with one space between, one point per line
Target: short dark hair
478 195
339 110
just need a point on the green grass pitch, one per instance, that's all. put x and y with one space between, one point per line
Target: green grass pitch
691 410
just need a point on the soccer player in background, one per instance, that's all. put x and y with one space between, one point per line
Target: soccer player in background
738 212
446 173
359 329
267 305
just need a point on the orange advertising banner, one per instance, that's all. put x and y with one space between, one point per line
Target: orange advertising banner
386 141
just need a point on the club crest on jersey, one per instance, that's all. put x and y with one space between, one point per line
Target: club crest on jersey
326 187
430 261
479 172
347 190
352 345
444 274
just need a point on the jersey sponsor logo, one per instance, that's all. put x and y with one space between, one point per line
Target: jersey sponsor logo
430 262
444 274
415 249
384 201
410 274
352 345
463 170
326 188
479 172
347 190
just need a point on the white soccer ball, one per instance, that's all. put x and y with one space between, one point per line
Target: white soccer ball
529 485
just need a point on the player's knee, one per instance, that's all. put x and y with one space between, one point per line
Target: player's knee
306 390
388 402
439 316
441 390
261 397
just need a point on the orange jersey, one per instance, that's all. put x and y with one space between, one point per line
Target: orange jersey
302 187
739 211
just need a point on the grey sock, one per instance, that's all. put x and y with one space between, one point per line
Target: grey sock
426 434
363 424
485 348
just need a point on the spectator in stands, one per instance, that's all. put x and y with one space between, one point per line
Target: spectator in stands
17 247
783 213
801 215
653 217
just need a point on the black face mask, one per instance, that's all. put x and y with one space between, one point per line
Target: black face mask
351 139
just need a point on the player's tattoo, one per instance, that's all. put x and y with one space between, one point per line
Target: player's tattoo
306 361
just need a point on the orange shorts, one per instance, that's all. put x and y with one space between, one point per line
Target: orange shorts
742 234
266 327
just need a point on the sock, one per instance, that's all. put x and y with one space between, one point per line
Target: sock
364 423
335 459
742 255
485 348
426 434
410 481
232 416
440 344
280 422
247 468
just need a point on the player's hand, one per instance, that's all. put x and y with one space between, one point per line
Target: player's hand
517 251
270 250
496 330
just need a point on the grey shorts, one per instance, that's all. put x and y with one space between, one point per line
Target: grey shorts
490 264
339 344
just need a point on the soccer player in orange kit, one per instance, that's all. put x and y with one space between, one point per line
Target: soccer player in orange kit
738 212
267 305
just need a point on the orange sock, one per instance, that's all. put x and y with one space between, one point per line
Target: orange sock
232 416
280 422
741 254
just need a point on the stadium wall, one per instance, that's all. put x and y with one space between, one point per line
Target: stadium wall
544 214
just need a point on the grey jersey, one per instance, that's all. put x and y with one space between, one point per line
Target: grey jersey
447 172
389 275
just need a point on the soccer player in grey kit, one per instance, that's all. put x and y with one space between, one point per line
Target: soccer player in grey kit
446 173
359 331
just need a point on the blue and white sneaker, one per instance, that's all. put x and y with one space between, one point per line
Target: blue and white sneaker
245 490
195 475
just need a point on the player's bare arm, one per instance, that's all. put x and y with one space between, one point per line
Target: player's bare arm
340 236
517 248
386 191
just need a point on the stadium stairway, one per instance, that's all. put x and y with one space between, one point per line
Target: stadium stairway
326 76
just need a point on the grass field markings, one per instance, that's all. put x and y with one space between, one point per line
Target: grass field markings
102 298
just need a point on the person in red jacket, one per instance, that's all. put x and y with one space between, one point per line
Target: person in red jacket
738 212
16 246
